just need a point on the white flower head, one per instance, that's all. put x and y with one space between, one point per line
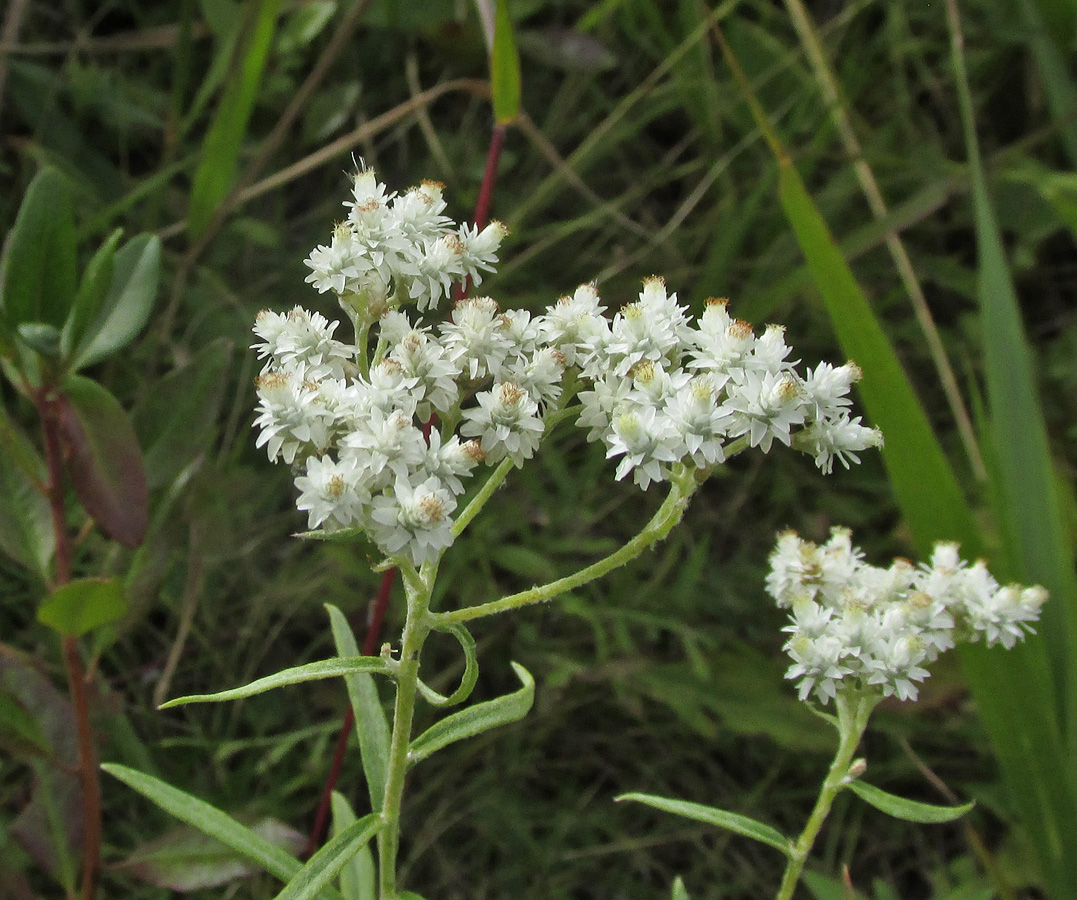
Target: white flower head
413 519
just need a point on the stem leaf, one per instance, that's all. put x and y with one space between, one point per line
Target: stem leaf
909 810
680 892
467 681
214 822
91 296
323 866
371 725
82 605
326 668
357 876
105 462
476 719
26 533
720 818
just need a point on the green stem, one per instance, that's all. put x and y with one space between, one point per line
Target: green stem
479 500
416 629
669 514
853 714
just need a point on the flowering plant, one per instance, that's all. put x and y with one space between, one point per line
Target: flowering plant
860 633
387 432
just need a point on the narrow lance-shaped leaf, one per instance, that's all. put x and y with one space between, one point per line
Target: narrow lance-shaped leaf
505 68
371 725
720 818
26 533
38 270
326 668
324 865
909 810
680 892
126 307
212 821
104 460
357 876
82 605
476 719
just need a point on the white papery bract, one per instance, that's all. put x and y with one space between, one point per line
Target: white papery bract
385 433
857 627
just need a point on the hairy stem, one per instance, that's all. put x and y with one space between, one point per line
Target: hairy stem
853 714
668 515
416 630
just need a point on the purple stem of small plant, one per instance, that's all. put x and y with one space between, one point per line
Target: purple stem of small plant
381 601
48 409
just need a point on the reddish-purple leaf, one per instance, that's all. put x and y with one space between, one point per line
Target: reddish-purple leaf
104 460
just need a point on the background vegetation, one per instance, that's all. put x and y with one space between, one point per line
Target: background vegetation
228 129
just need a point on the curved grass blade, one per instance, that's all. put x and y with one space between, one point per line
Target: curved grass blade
719 818
358 876
476 719
326 668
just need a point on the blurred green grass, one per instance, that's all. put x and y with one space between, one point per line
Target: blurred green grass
638 156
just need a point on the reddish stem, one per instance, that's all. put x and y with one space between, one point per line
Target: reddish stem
49 411
486 193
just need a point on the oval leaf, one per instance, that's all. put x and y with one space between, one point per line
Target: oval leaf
40 336
83 604
467 681
476 719
371 725
91 296
720 818
505 68
326 668
38 272
127 306
909 810
104 460
26 533
323 866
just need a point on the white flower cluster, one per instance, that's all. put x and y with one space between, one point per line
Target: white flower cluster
400 248
857 627
383 432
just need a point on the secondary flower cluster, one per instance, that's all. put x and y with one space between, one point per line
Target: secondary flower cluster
854 626
382 432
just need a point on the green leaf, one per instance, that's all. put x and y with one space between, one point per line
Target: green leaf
220 150
132 291
38 271
357 877
40 336
720 818
909 810
212 821
505 68
83 604
326 668
185 860
371 725
104 460
467 681
680 892
26 533
476 719
323 866
91 296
